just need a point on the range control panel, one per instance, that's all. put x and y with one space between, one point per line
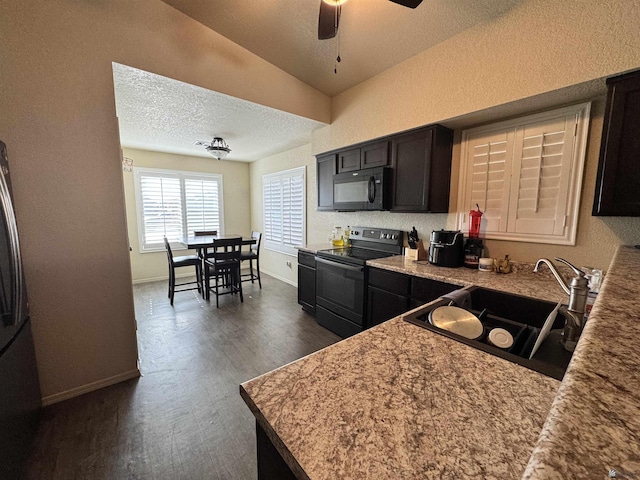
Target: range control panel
376 235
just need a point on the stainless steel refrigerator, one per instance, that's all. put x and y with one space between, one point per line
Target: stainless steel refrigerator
19 386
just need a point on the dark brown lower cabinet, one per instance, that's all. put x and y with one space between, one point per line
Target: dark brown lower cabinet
387 295
390 294
425 290
271 465
307 281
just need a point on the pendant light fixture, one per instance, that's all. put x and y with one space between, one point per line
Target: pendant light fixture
217 147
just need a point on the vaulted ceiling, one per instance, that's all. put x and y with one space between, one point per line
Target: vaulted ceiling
373 36
161 114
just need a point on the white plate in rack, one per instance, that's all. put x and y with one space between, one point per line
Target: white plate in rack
545 329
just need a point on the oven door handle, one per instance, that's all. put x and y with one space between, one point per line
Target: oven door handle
340 265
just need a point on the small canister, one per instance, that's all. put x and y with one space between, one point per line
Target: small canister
485 264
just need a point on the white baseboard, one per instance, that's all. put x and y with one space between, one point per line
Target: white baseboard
164 278
90 387
263 272
278 277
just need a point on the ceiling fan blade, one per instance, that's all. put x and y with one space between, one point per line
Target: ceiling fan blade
408 3
328 20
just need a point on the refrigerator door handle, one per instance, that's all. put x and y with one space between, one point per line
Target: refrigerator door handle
17 288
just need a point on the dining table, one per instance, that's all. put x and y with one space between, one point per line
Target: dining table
201 242
206 241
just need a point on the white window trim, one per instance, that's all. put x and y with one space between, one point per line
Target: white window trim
582 113
182 174
280 247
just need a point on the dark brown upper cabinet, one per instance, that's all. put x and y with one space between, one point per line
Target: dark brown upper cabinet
618 180
326 165
421 162
370 155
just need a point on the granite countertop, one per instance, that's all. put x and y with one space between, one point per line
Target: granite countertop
315 247
522 281
398 401
594 423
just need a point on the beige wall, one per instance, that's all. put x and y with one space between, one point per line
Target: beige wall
59 123
235 189
525 58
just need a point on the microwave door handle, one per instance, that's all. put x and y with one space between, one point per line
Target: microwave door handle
371 190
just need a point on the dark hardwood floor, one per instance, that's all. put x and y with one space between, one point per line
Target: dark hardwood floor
184 418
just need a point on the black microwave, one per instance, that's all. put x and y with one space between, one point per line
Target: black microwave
362 190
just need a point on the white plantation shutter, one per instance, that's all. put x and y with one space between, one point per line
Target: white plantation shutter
526 175
202 200
490 170
175 204
284 210
161 207
542 157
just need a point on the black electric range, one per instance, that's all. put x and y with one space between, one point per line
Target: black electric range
341 278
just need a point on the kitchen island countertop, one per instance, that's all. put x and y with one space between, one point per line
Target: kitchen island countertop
398 401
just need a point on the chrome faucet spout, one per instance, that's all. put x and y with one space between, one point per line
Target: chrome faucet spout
555 272
574 312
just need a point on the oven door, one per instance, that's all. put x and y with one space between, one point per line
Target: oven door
340 288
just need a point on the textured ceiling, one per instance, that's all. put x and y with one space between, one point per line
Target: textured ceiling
160 114
373 36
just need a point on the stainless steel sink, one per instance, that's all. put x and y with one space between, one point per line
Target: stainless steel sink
521 316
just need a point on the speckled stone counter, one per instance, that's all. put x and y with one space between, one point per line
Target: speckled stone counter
594 423
522 281
398 401
315 247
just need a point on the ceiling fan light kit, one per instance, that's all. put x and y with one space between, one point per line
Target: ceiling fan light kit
217 147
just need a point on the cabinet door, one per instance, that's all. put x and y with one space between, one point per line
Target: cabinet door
307 288
619 168
374 155
349 160
383 306
326 170
425 290
421 163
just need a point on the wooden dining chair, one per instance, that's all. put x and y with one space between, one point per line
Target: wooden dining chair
223 265
182 261
250 256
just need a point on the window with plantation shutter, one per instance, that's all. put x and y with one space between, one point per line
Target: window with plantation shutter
525 175
174 204
284 197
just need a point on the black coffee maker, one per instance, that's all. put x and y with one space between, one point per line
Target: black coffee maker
446 248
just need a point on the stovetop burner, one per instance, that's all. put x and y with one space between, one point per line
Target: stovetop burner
354 253
367 244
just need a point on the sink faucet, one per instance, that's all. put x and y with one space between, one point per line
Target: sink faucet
578 291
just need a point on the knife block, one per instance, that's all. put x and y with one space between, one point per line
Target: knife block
418 253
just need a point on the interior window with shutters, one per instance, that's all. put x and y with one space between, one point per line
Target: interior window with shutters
174 204
284 195
525 175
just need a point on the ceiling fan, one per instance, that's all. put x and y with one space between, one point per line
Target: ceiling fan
329 16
